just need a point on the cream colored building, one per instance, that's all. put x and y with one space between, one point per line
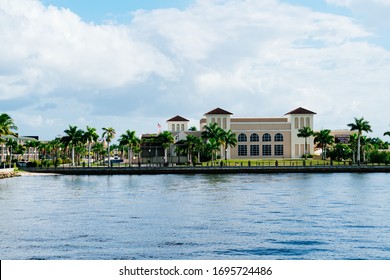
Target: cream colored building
258 137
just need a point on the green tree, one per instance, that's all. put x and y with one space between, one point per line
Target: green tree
305 132
360 125
129 140
212 147
11 145
90 136
228 139
72 138
340 152
6 126
166 139
215 133
108 135
324 138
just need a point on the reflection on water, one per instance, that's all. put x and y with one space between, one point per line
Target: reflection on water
248 216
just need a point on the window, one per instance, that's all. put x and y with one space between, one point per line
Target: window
224 123
173 127
296 123
255 150
182 127
278 137
219 122
308 122
242 150
178 127
254 137
241 138
278 150
302 122
266 137
266 150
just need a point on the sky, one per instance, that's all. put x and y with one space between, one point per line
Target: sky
133 64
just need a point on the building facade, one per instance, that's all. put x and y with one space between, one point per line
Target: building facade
257 137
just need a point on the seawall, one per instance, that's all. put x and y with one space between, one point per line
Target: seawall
208 170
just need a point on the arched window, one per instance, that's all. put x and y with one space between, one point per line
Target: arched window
182 127
219 122
241 138
173 127
224 123
278 137
213 120
254 137
308 122
296 123
178 127
266 137
302 122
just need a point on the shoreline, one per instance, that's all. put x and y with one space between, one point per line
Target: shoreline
203 170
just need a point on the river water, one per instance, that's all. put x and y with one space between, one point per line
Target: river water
247 216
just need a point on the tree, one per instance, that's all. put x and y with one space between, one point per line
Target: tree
90 136
324 138
11 145
166 139
215 133
108 134
212 146
6 126
72 138
130 140
229 139
386 133
360 125
305 132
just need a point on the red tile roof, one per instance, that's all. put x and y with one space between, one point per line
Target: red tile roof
177 119
219 111
300 111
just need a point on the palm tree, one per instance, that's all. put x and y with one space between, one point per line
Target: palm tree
166 139
212 146
6 126
108 134
11 145
360 125
229 139
324 138
213 131
386 133
130 140
73 137
305 132
90 136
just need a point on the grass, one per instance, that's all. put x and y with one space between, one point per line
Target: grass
274 162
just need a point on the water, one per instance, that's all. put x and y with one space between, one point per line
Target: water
248 216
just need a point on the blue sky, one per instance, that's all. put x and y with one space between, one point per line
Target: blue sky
134 64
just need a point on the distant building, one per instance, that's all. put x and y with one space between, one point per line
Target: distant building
258 137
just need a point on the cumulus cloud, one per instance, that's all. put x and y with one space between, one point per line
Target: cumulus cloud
251 57
46 48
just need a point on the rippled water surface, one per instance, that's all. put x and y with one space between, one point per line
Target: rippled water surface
278 216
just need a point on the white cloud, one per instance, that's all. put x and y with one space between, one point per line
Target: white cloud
251 57
48 48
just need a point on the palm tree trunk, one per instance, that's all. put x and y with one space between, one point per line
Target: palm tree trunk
89 154
108 154
358 150
129 155
72 155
